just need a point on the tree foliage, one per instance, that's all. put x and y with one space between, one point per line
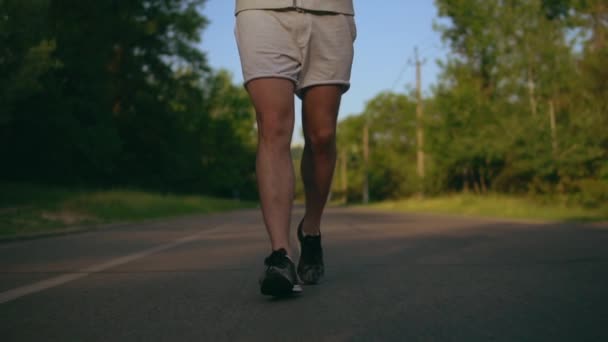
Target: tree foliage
391 168
117 93
520 107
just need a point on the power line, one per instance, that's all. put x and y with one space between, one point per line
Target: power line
411 63
405 66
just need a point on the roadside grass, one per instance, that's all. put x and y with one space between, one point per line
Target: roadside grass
499 206
27 209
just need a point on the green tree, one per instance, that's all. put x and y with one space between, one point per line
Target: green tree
509 101
118 93
228 141
392 146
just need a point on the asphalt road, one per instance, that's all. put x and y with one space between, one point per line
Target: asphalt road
389 277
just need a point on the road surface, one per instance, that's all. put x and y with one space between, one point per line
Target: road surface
400 277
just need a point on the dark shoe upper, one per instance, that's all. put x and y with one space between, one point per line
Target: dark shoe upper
279 278
278 259
310 266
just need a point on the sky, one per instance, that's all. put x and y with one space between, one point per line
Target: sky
387 33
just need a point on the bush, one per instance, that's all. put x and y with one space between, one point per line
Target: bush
591 192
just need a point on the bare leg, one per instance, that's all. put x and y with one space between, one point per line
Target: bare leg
274 106
320 107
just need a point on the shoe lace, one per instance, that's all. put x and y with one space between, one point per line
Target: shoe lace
276 258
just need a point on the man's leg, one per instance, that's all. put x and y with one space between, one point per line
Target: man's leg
274 106
320 105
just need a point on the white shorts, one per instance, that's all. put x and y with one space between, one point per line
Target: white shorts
308 48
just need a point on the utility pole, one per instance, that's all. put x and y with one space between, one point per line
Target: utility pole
366 161
553 128
419 115
344 176
531 93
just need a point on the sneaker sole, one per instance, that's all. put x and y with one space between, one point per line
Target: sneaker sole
277 286
311 281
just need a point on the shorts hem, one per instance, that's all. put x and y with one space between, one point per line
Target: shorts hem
295 82
345 86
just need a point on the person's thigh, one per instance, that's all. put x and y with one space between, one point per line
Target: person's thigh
320 106
274 104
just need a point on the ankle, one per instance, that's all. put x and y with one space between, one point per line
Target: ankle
310 230
314 233
286 249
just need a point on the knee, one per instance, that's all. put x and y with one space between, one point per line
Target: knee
322 140
275 132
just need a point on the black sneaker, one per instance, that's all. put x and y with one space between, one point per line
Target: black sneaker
279 278
310 266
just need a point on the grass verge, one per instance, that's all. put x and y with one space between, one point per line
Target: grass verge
27 209
499 206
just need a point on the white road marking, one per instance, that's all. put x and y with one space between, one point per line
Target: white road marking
21 291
